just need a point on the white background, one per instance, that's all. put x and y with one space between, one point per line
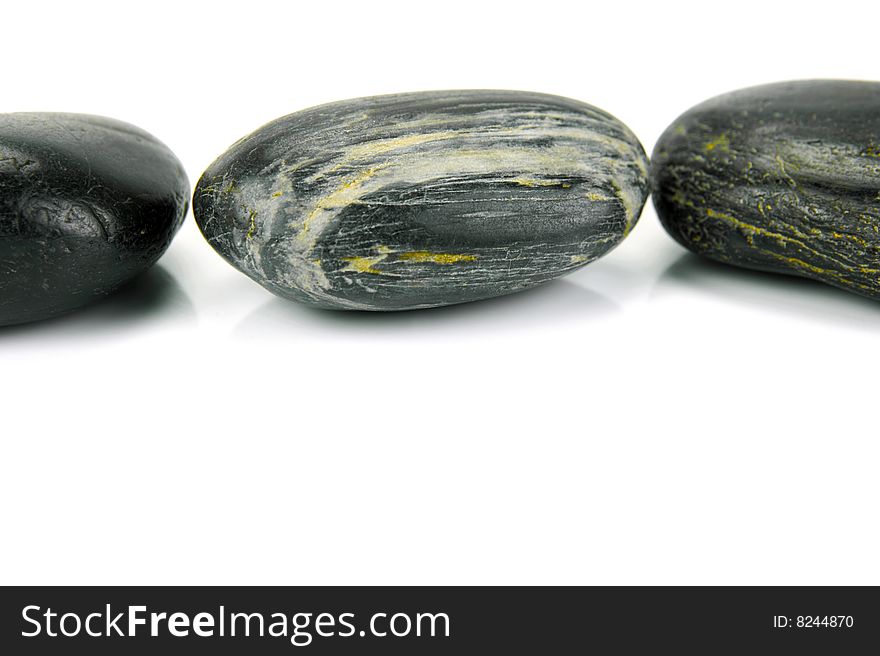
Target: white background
650 419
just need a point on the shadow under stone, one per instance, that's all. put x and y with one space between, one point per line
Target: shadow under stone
773 292
152 295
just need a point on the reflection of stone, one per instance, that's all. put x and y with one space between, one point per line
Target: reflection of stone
783 177
423 199
86 203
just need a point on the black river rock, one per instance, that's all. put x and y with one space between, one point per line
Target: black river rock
783 177
86 203
423 199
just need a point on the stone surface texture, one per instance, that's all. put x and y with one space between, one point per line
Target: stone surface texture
86 203
423 199
783 177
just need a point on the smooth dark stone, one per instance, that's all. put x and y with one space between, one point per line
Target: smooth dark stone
423 199
783 177
86 203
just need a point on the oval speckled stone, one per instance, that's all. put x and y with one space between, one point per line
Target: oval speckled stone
86 203
783 177
423 199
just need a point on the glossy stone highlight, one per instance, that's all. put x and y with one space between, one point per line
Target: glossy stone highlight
783 177
423 199
86 203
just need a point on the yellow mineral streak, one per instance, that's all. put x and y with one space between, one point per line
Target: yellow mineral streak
783 240
828 273
252 224
536 182
343 195
853 238
750 229
721 142
368 264
782 164
372 149
437 258
364 264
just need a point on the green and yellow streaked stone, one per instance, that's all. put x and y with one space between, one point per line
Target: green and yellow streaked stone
423 199
783 177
